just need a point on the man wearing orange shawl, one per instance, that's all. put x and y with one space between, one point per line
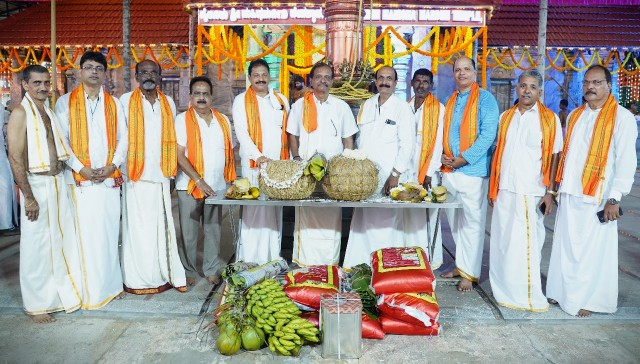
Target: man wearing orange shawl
150 259
94 123
521 182
596 169
319 123
470 126
205 157
260 116
428 115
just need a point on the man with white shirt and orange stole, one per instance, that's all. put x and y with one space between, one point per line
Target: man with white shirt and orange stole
521 192
205 157
50 271
596 170
428 114
94 123
150 260
319 123
260 120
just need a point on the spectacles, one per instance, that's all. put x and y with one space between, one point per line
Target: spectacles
90 69
594 82
148 73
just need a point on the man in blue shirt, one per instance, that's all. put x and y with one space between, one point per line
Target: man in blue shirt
470 127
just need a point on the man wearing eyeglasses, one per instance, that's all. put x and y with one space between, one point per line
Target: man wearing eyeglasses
319 123
388 136
150 260
597 167
94 124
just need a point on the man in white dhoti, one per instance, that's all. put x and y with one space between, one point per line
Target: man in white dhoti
205 157
470 126
150 259
94 124
49 262
260 120
521 192
387 135
428 116
319 123
596 169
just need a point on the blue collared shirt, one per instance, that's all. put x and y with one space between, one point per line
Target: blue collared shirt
479 154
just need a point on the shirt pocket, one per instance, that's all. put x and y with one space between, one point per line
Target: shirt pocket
389 132
533 139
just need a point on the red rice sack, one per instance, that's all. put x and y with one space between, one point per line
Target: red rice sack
305 285
401 270
313 317
415 308
371 328
398 327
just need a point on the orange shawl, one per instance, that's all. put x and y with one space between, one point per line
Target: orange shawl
468 126
596 162
255 127
547 124
430 116
79 133
169 153
310 113
194 149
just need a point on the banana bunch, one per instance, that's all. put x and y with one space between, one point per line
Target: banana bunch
316 167
279 318
410 191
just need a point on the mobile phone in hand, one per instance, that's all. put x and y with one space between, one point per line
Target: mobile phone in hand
600 214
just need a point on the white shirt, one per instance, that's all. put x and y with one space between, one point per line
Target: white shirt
436 157
152 115
521 170
271 113
97 131
621 160
335 121
387 134
213 156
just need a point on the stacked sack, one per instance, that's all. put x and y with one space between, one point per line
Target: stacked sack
405 286
304 286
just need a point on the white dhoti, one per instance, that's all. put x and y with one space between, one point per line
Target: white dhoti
97 212
373 229
468 223
150 260
517 237
260 234
317 236
583 270
49 260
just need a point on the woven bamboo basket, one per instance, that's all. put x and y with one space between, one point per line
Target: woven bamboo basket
285 180
350 179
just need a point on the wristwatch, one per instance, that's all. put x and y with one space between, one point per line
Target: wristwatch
613 201
395 174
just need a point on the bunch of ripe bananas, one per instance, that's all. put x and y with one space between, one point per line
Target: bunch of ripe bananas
316 167
241 189
279 318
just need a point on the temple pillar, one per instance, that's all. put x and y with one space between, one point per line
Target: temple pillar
344 37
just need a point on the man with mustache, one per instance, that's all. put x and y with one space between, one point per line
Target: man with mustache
470 126
260 118
428 115
205 157
298 90
596 169
387 135
94 123
37 154
150 259
521 192
319 123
